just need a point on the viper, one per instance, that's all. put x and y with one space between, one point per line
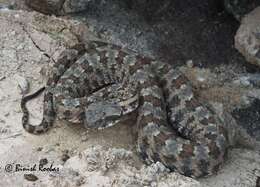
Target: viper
104 83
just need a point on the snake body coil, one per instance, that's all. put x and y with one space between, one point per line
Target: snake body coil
107 83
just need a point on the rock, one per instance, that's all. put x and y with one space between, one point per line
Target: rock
39 149
189 63
23 84
19 5
46 6
7 4
43 161
234 7
249 118
65 156
36 39
58 7
249 80
84 138
30 177
116 167
72 6
247 39
238 8
2 78
152 9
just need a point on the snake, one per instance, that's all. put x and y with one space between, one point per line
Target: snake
101 83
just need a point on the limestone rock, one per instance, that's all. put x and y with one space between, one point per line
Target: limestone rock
247 39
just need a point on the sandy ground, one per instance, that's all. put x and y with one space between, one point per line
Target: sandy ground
24 45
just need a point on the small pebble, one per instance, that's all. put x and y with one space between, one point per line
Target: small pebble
2 78
23 84
44 71
13 33
2 121
16 16
49 149
6 114
3 130
201 79
39 149
154 184
189 63
84 138
30 177
80 181
65 156
43 161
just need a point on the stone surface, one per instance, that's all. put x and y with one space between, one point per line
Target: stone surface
238 8
72 6
46 6
162 28
249 118
57 7
23 84
247 39
117 167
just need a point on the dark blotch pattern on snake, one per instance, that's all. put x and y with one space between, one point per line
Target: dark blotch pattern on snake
107 83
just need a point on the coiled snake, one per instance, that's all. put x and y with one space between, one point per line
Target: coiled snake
105 83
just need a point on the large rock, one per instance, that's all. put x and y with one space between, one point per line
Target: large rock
71 6
57 7
247 39
46 6
238 8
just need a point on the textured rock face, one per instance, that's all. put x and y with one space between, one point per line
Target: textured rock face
46 6
249 118
57 7
145 7
247 39
116 167
71 6
238 8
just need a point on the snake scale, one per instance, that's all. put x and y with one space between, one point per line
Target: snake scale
103 83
